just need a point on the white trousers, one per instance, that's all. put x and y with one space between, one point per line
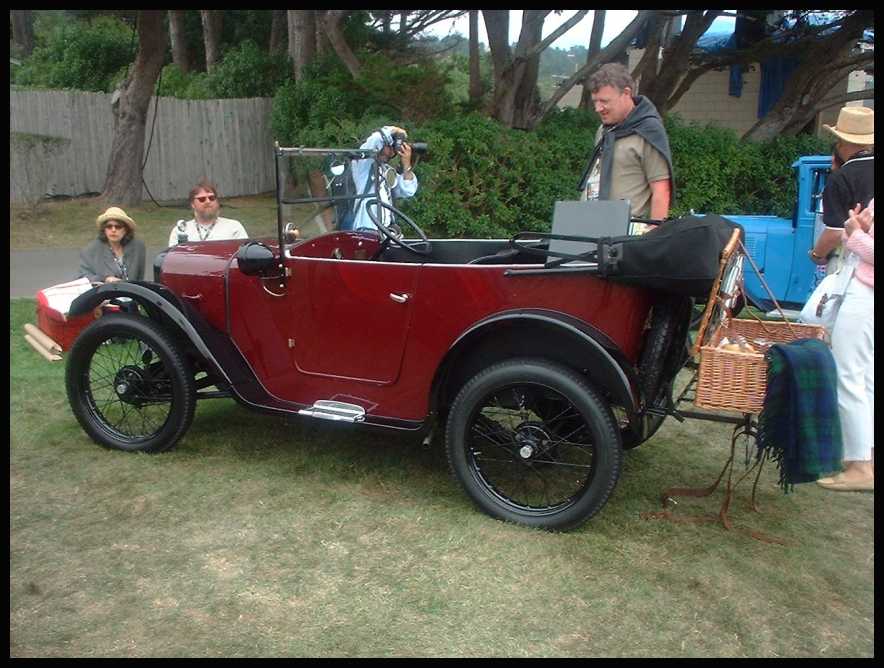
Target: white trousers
853 346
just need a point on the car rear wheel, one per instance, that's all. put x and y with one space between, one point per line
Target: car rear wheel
129 386
532 443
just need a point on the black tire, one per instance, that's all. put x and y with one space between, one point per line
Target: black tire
665 352
129 386
531 442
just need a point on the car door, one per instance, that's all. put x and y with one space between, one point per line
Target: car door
352 317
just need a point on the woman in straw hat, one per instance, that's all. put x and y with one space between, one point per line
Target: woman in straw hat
852 180
116 255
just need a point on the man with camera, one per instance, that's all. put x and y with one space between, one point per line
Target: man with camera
377 177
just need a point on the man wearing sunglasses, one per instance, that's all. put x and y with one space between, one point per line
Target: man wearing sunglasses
206 224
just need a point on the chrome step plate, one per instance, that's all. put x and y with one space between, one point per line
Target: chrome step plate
326 409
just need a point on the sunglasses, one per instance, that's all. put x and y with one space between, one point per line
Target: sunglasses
202 199
115 226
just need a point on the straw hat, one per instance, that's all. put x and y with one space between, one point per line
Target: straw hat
115 213
856 125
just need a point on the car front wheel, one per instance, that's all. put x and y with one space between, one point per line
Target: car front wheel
532 443
129 386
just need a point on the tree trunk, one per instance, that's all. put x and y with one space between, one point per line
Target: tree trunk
614 50
212 22
403 28
595 45
302 39
123 185
646 70
475 74
526 100
660 85
322 43
515 100
497 27
180 52
332 24
278 32
23 30
805 95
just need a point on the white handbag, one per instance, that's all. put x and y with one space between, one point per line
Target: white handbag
823 305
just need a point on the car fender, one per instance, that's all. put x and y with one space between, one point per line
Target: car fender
596 354
154 297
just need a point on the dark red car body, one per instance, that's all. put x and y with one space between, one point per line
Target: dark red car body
532 375
331 330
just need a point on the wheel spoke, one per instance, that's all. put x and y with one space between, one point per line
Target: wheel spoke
146 402
529 445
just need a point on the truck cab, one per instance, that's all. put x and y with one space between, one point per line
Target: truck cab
779 246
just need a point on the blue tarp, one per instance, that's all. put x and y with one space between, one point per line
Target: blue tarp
775 71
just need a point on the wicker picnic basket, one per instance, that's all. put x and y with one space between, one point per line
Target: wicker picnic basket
728 379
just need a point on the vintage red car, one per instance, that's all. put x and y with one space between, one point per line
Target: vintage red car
536 376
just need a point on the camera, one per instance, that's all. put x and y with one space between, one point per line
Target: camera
418 147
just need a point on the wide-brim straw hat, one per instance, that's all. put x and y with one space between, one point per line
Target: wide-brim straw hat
115 213
856 125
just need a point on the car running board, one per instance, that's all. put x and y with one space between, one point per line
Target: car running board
334 410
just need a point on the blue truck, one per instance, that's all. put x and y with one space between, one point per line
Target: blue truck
779 246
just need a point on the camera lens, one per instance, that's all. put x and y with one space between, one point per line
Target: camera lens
419 147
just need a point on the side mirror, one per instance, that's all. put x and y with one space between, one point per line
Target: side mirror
255 258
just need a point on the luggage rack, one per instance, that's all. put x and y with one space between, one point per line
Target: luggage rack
698 392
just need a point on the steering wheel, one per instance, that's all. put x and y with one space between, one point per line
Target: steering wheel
390 237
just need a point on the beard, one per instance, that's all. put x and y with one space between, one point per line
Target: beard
206 217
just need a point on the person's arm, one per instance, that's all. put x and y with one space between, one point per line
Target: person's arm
140 260
659 177
863 245
836 208
661 192
829 240
86 265
856 229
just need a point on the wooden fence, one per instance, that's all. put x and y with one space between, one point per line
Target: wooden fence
60 142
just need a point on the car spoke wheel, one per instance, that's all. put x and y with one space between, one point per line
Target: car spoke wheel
531 442
129 386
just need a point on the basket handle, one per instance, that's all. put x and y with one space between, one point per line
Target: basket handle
768 290
726 253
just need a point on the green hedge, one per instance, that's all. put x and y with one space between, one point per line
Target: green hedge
82 55
483 180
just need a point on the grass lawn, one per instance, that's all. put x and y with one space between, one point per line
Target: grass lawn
70 223
259 536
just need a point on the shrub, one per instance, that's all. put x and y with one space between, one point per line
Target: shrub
327 98
191 86
83 55
482 179
248 71
715 172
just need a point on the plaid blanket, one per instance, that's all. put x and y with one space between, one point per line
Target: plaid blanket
799 425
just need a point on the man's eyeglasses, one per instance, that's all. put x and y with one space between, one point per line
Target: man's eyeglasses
204 198
115 226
